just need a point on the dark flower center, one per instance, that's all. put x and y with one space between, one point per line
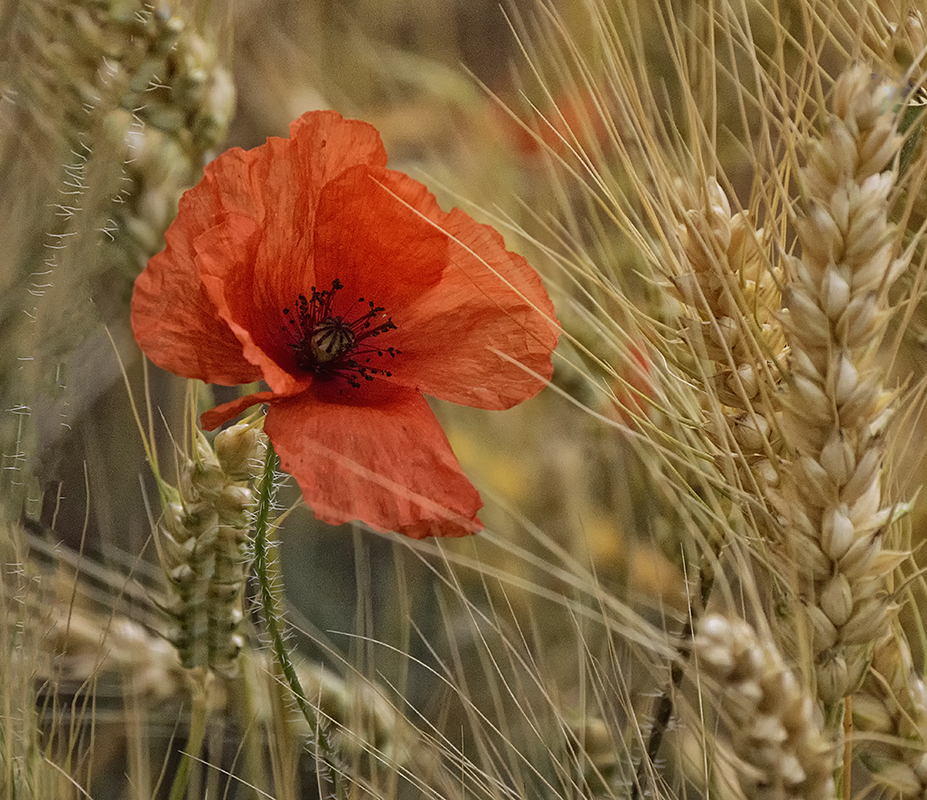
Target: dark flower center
330 340
334 346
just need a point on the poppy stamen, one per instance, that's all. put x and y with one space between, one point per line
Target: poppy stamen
331 345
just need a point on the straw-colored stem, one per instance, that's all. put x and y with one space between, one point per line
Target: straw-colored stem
199 713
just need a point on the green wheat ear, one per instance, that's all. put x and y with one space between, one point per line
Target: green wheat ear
202 541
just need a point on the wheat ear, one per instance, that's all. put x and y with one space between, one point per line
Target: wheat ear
730 293
835 408
203 536
770 718
145 86
890 716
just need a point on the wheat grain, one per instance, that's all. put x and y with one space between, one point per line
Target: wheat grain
890 713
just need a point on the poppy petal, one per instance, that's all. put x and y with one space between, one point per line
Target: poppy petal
389 253
212 419
283 179
485 335
174 319
454 292
385 462
226 258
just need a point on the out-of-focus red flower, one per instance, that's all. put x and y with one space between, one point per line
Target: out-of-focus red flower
633 387
305 263
574 122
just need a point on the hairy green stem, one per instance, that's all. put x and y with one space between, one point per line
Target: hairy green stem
270 606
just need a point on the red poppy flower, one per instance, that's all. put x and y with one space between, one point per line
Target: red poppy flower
307 264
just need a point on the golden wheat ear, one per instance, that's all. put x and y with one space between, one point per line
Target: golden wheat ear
768 716
835 405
